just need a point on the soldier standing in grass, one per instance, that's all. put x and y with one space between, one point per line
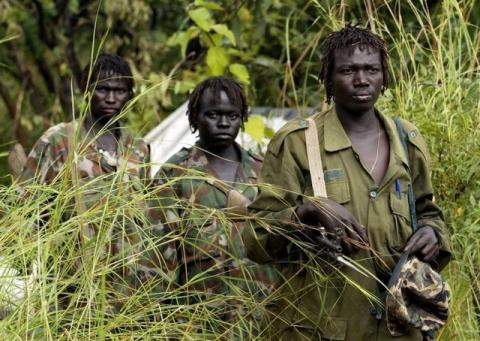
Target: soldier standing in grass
205 191
107 166
367 174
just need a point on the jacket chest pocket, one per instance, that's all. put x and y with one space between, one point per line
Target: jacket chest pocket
338 191
402 229
336 183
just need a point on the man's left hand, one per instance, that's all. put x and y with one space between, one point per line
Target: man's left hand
424 244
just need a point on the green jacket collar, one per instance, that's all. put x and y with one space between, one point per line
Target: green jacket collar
396 147
337 139
197 159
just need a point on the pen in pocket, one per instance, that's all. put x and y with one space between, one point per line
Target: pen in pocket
398 189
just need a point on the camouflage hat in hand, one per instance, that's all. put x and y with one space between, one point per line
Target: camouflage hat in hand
417 297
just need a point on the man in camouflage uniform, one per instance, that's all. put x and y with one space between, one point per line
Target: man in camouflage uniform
205 191
367 174
107 168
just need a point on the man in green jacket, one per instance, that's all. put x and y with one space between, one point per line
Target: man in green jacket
367 173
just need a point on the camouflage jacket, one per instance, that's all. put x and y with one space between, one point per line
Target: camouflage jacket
104 191
209 216
51 152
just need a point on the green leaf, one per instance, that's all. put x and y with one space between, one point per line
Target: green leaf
269 132
243 55
223 30
208 4
182 38
240 72
255 127
213 39
217 60
244 14
182 87
201 16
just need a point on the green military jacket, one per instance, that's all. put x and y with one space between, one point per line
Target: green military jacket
320 298
208 216
106 194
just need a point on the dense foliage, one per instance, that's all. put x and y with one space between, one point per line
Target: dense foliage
273 48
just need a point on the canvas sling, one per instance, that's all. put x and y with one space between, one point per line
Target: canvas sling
315 160
411 196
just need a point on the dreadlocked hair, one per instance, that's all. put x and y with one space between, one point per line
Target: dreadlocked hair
216 85
351 37
107 65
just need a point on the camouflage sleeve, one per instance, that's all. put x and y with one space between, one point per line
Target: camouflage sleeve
46 157
163 216
42 166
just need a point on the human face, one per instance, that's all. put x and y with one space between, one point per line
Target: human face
109 96
357 79
218 122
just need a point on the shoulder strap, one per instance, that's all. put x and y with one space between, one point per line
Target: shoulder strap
411 195
315 159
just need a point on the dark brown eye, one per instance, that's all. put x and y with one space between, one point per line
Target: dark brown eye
233 116
211 114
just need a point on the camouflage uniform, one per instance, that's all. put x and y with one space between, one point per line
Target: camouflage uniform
110 192
318 298
209 216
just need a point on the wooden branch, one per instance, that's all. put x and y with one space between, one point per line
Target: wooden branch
7 99
43 34
69 23
36 96
60 6
65 97
17 131
14 110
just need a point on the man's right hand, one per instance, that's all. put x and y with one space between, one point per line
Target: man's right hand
336 219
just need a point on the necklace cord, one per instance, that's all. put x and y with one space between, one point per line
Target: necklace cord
378 147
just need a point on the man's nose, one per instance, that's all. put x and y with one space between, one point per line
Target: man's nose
361 78
223 121
110 98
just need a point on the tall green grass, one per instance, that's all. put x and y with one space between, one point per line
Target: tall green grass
436 84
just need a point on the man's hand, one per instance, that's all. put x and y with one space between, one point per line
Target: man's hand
423 244
336 219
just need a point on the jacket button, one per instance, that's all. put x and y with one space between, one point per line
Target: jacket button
373 194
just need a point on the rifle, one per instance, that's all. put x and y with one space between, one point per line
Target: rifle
333 249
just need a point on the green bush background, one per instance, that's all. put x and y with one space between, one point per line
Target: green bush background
272 47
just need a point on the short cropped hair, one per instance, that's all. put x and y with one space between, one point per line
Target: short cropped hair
107 63
216 85
351 37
